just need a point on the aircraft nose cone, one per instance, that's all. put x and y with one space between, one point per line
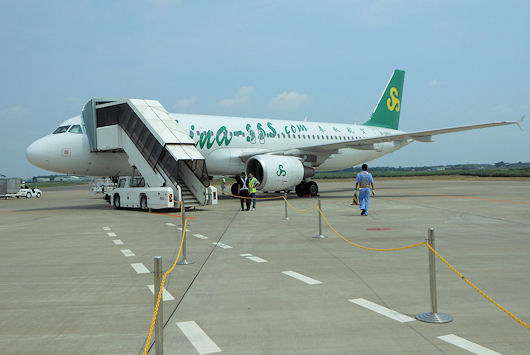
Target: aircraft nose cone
35 154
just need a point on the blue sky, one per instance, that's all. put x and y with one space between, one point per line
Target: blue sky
466 62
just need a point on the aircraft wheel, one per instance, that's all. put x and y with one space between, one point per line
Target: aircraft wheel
143 202
117 204
311 188
233 189
28 195
38 195
300 189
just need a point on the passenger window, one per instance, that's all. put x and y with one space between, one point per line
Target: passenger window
61 129
76 129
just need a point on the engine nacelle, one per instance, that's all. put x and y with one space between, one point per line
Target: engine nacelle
278 172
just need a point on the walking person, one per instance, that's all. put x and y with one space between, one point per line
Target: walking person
252 184
242 190
223 182
364 182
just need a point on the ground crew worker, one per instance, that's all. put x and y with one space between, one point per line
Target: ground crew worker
223 182
242 190
252 184
364 181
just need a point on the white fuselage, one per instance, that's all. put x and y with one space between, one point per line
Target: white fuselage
221 140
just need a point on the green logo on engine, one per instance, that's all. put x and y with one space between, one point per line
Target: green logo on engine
280 171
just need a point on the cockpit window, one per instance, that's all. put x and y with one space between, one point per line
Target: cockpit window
61 129
76 129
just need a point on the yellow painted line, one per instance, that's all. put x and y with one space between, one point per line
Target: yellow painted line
173 215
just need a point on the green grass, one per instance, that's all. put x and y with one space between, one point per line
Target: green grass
404 173
45 184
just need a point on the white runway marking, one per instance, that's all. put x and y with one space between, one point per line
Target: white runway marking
180 228
200 236
127 252
166 296
106 228
111 234
117 241
222 245
140 268
245 254
301 277
382 310
170 224
467 345
256 259
198 338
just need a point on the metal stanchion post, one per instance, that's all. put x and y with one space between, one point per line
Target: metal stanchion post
285 203
433 316
183 260
159 321
320 235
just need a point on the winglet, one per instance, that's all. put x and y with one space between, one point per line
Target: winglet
519 123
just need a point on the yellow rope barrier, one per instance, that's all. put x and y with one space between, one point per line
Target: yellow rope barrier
477 289
362 246
299 210
256 198
162 287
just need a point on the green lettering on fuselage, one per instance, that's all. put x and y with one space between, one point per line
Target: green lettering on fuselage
273 131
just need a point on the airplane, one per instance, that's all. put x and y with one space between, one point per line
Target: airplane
282 154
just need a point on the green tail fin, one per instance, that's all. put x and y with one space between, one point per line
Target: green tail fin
386 113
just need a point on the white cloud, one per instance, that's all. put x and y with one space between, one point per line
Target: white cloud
289 100
242 97
184 103
13 113
434 82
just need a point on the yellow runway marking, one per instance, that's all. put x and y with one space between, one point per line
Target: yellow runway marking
173 215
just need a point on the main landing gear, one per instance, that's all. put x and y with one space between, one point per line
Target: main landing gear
233 189
307 188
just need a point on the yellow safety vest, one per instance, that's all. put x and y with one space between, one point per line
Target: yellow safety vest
365 179
252 185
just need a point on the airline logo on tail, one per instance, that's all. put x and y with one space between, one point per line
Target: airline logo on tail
393 102
386 113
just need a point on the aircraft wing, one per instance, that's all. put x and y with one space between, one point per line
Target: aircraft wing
368 143
421 136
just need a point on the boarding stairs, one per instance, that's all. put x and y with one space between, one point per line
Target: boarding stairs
187 196
155 145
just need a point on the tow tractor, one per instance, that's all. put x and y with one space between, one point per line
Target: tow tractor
132 193
28 193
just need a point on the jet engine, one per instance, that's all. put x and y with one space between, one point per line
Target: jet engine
278 172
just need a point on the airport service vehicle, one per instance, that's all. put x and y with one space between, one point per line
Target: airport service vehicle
9 187
28 193
132 193
102 186
184 150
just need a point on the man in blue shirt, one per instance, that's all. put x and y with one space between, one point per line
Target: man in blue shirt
364 181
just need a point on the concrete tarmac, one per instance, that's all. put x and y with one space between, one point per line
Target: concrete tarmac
67 286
